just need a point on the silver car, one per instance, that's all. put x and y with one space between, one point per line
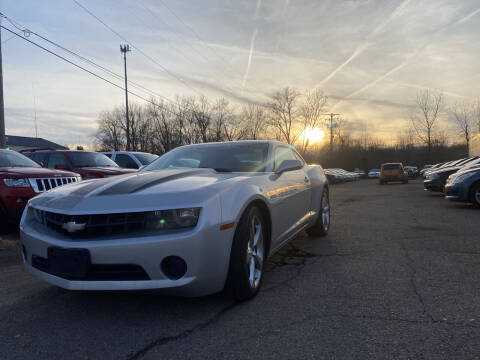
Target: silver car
199 219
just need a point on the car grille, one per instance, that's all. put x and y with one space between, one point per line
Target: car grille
100 272
44 184
95 225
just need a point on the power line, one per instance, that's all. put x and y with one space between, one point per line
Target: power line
150 12
27 32
84 69
194 32
137 48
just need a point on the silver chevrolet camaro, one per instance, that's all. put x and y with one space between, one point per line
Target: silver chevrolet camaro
199 219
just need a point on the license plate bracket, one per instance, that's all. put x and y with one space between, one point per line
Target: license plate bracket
68 263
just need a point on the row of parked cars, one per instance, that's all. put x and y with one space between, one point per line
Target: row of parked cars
459 180
25 175
335 176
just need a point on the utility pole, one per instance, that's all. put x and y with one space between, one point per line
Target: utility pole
3 144
331 126
124 49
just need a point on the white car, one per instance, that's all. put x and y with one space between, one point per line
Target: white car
199 219
374 174
131 159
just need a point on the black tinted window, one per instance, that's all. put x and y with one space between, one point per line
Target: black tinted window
391 167
13 159
125 161
89 159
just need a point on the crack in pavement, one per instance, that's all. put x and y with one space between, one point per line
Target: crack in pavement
184 334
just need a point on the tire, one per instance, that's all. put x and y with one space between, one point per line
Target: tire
247 256
322 225
475 195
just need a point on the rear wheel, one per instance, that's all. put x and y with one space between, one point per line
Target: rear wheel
475 195
247 256
322 225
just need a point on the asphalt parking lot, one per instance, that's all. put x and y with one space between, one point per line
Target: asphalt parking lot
397 277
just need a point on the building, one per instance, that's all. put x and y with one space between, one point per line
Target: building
475 145
19 143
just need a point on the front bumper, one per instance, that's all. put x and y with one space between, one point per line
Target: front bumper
206 251
455 193
433 185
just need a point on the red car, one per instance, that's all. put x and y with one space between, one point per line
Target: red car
21 179
90 165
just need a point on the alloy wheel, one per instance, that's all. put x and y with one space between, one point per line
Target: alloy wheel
255 252
325 211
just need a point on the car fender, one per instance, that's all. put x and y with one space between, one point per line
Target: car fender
318 182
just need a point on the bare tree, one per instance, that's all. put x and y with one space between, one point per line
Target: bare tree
429 105
476 113
284 110
255 121
110 134
463 114
311 114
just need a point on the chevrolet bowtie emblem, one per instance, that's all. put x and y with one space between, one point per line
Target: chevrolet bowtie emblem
72 226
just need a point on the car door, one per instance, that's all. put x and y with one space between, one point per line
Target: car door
290 196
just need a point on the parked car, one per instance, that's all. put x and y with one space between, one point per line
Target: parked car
464 186
360 173
333 176
190 231
436 179
412 171
392 172
21 179
374 174
131 159
90 165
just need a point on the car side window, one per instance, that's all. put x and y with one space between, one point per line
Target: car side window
283 153
39 158
57 159
108 155
125 161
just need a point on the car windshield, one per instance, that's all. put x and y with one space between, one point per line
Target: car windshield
391 167
146 158
13 159
90 159
226 157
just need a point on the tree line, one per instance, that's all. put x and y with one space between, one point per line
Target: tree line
289 116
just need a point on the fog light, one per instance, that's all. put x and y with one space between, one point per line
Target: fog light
174 267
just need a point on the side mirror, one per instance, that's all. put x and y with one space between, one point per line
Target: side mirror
61 167
142 167
41 164
288 165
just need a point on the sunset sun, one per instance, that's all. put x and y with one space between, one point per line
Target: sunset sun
312 135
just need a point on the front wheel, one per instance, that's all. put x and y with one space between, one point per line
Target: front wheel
322 225
247 256
475 195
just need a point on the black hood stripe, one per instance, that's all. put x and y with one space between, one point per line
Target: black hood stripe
146 180
87 189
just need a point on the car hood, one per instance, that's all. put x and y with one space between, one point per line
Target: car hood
33 172
446 171
141 191
108 170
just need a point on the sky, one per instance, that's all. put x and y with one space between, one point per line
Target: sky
370 57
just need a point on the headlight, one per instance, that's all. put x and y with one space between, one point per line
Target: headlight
173 219
462 177
16 182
